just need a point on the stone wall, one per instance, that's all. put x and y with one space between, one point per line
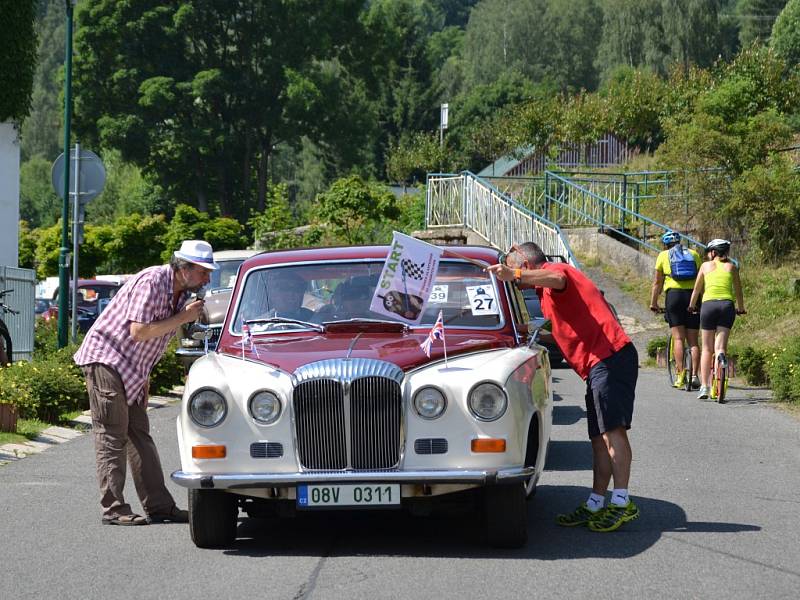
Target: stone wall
592 244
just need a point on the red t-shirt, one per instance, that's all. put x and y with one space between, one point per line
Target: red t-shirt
583 325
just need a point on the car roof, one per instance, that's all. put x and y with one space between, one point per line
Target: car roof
485 254
233 254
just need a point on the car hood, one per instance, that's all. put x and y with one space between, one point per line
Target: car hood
290 351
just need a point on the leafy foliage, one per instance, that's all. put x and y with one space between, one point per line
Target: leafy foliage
18 57
752 365
784 371
222 233
353 210
785 38
168 371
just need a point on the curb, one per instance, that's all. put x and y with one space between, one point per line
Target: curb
80 425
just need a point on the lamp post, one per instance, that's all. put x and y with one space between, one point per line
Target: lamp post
63 253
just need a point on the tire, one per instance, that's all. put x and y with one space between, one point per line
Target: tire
213 515
721 380
672 372
506 515
687 365
6 349
531 454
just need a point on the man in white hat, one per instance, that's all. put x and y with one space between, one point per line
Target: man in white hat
116 356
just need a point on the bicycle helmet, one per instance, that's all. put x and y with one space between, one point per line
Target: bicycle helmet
719 245
671 237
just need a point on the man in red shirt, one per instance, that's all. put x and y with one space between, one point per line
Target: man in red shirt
595 345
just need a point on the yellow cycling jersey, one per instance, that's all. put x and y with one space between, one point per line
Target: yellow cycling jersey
718 284
663 266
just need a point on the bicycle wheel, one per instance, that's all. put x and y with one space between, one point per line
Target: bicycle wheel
721 379
672 371
687 365
5 346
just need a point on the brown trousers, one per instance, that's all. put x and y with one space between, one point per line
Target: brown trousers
122 434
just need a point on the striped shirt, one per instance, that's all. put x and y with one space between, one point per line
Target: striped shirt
145 298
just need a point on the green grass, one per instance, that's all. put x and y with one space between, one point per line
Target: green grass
27 429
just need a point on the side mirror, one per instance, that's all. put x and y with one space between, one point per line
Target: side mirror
198 331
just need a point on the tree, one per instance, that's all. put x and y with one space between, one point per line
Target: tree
352 210
42 132
188 223
136 243
18 57
756 18
199 93
632 36
38 203
27 246
691 31
785 38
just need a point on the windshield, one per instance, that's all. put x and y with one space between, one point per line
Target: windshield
225 276
325 292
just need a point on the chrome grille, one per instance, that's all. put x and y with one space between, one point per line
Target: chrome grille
358 430
375 414
320 422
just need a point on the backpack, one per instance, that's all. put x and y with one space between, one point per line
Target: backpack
681 264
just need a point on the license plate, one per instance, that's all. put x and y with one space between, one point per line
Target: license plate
348 495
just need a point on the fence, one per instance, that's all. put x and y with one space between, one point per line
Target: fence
469 201
23 282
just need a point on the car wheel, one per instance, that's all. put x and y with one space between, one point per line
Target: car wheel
212 518
531 454
506 515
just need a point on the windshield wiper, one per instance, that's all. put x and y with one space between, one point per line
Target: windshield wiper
314 326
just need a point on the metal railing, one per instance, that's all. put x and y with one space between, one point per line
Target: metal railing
22 299
469 201
569 203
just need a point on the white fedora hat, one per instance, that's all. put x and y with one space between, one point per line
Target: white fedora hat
197 252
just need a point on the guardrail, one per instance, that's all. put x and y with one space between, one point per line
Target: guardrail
567 202
469 201
20 326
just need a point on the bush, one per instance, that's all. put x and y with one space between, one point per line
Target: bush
168 372
752 365
45 339
46 388
784 372
656 344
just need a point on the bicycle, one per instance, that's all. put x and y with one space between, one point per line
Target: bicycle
6 348
672 367
719 378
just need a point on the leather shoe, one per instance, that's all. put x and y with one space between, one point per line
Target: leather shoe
175 515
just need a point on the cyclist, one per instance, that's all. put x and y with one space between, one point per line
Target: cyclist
676 272
719 282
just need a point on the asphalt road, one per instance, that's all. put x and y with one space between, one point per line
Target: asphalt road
718 487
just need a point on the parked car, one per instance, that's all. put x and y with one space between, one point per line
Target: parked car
217 298
322 404
40 306
93 296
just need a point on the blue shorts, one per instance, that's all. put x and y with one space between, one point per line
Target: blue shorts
610 391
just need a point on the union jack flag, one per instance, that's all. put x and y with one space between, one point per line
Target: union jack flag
436 332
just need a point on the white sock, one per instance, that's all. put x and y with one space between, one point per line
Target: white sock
595 502
619 497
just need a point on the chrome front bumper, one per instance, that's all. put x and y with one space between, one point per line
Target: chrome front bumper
262 480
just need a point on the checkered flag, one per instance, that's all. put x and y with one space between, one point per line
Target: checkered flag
412 269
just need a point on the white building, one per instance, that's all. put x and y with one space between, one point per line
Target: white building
9 195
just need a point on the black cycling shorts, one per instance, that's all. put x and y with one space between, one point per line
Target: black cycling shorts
717 313
675 309
610 391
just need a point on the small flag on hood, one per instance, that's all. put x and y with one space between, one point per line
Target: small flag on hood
436 332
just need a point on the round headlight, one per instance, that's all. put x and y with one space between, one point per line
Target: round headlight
487 401
429 403
207 408
265 407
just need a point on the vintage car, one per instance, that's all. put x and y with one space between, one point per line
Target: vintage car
311 401
93 296
217 298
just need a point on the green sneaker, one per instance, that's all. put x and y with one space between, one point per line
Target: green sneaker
580 516
614 516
